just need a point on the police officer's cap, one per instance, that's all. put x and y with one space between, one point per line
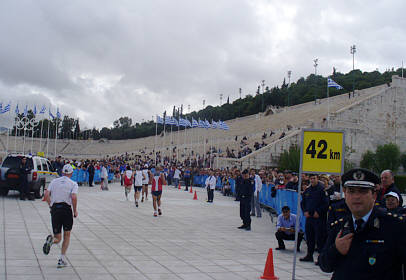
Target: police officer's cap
360 178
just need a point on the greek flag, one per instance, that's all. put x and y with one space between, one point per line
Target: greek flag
1 107
213 124
188 123
175 121
223 125
26 110
43 109
50 114
159 120
35 110
201 124
17 111
206 124
6 108
194 123
58 115
168 120
331 83
182 122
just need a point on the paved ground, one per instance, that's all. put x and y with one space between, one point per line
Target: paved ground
112 239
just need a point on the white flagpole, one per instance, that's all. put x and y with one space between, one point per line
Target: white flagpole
56 134
156 132
15 134
163 144
170 146
40 138
177 144
8 136
49 122
328 107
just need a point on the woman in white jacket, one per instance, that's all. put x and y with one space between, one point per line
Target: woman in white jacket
104 178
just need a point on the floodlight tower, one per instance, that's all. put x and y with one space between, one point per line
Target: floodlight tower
315 65
353 50
263 90
289 74
221 98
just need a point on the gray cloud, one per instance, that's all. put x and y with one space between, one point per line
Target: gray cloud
99 60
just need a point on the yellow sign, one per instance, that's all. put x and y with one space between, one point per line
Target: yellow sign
323 151
41 154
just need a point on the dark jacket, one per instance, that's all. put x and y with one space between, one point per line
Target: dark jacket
376 252
314 199
380 200
246 188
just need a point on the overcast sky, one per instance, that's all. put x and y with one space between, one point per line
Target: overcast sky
99 60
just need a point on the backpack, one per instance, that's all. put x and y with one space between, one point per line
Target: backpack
127 181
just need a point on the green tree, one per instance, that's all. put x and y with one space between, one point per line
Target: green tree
290 160
388 157
403 160
368 160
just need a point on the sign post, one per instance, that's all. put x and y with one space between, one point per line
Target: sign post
321 152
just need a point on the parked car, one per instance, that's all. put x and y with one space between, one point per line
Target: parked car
41 174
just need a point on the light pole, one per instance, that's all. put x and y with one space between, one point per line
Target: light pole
315 65
289 74
240 90
353 50
263 90
221 98
204 103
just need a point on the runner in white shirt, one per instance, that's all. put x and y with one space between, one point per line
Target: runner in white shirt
61 197
145 182
138 178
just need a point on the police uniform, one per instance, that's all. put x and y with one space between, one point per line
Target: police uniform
25 170
336 211
245 195
378 247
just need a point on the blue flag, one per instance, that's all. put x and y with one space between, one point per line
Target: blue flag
168 120
201 124
6 108
206 124
159 120
224 126
331 83
16 110
213 124
43 109
194 123
188 123
25 111
1 106
35 110
175 121
50 114
58 115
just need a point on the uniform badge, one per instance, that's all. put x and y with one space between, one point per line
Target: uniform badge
359 175
376 223
371 261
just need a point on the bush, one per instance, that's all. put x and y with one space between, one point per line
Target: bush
403 161
290 160
400 182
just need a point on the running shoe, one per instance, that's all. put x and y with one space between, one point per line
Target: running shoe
136 204
155 214
159 212
47 245
142 199
62 263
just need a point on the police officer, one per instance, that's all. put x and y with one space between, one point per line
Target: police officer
367 243
336 211
61 196
238 182
25 170
314 206
245 193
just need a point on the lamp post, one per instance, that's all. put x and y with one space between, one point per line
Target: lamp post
263 90
289 74
221 98
353 50
315 73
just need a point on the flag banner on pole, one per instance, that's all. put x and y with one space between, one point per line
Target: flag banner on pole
182 122
175 121
168 120
331 83
35 110
223 125
201 124
194 123
50 114
25 111
188 123
213 124
43 109
6 109
17 111
159 120
206 124
58 115
1 107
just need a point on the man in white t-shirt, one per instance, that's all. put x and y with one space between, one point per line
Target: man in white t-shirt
138 179
176 176
61 197
210 185
255 206
145 182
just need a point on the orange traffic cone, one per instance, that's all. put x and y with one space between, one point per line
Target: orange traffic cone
269 273
179 186
191 191
195 196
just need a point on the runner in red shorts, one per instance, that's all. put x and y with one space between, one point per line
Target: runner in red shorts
158 179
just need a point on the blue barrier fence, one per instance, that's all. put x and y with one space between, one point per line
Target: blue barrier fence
82 176
282 198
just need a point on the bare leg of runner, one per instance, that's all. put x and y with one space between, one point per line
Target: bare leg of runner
154 203
146 192
159 205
